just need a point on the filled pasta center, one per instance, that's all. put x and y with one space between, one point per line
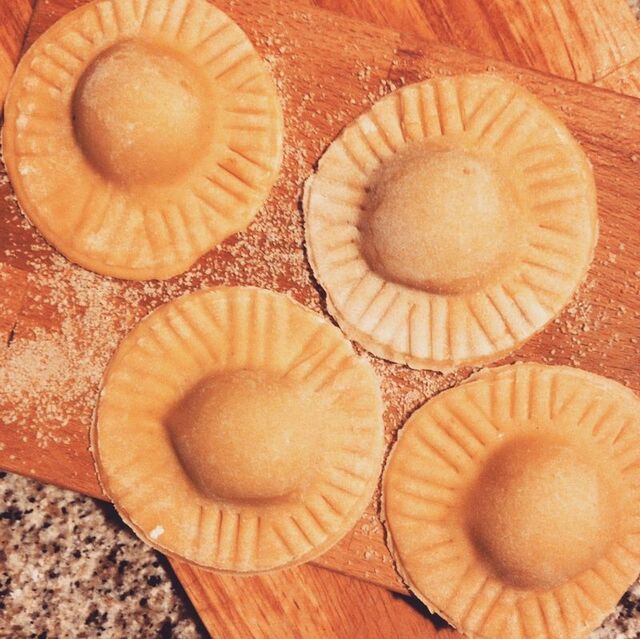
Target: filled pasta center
140 114
541 512
248 435
440 220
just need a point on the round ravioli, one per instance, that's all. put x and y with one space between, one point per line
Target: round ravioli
139 134
451 222
238 430
512 501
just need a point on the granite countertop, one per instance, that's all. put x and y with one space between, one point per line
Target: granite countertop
70 569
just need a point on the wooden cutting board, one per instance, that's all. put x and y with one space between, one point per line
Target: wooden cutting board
365 64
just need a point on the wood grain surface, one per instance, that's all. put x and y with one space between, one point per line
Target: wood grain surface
14 18
594 116
625 79
307 602
576 39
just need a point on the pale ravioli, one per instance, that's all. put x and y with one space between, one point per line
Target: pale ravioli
450 222
139 134
239 431
513 501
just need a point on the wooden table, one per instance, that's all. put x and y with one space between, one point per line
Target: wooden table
594 41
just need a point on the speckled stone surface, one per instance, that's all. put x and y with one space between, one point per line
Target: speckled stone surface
69 569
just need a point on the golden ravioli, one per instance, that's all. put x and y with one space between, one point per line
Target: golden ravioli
139 134
238 430
513 501
451 222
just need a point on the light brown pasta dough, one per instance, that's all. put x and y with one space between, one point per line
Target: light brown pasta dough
239 431
450 222
513 501
139 134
